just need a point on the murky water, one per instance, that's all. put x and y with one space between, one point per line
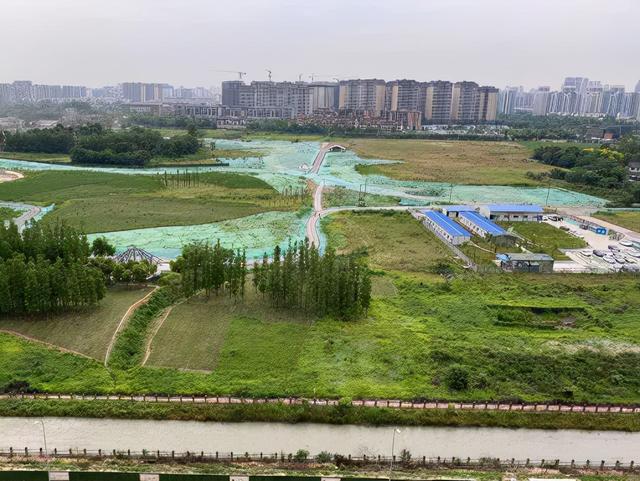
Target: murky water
93 434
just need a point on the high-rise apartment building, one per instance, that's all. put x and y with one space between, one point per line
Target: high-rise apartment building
437 107
324 96
405 95
508 99
142 92
541 98
464 102
367 94
486 104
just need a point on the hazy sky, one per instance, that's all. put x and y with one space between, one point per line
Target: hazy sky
184 42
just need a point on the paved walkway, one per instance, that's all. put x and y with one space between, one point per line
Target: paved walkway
372 403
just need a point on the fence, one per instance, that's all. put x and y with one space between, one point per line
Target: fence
301 459
379 403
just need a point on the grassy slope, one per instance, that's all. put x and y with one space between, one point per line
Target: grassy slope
630 220
339 196
462 162
393 240
36 157
87 331
102 202
574 338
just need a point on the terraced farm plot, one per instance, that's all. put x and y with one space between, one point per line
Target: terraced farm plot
392 240
86 331
459 162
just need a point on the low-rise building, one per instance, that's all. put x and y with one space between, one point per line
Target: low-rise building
480 225
512 212
526 262
454 211
445 228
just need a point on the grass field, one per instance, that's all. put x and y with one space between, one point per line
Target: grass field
392 240
87 331
530 337
628 219
103 202
339 196
545 238
460 162
36 157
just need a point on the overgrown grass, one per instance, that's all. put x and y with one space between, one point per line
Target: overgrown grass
339 196
36 157
87 331
460 162
104 202
628 219
573 338
129 347
392 240
545 238
318 414
7 213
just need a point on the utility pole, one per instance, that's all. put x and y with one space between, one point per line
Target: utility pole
44 434
450 192
546 203
393 445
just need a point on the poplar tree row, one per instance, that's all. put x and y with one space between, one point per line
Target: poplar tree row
45 269
300 278
212 268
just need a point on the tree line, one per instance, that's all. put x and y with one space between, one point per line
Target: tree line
45 269
93 144
301 278
212 268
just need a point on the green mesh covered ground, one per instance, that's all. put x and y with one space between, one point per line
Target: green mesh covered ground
257 233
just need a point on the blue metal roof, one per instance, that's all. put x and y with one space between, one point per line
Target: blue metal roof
458 208
450 226
529 208
484 223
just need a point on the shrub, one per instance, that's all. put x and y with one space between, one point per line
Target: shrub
457 378
301 455
324 457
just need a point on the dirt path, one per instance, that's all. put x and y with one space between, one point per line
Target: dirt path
156 327
45 343
124 319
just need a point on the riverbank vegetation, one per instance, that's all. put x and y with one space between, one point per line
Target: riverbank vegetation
307 413
519 337
104 202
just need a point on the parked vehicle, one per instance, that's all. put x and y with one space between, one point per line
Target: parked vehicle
609 259
586 253
626 243
613 247
599 253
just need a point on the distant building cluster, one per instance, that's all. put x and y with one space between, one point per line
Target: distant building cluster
578 96
27 91
403 104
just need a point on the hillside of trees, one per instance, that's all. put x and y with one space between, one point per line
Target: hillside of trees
93 144
46 269
179 122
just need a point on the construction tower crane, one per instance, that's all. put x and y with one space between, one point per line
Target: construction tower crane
240 74
267 70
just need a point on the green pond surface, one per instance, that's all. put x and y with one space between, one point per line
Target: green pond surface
287 164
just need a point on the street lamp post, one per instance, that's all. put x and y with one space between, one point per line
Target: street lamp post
393 446
44 434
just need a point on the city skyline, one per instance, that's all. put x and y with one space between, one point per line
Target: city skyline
133 40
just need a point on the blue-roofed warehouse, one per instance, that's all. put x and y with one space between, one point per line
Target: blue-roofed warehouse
512 212
445 227
480 225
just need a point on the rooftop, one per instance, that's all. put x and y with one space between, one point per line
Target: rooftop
529 208
484 223
458 208
528 256
450 226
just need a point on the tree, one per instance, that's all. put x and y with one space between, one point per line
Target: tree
101 247
457 377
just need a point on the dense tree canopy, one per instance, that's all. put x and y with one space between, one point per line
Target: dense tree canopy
93 144
46 269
